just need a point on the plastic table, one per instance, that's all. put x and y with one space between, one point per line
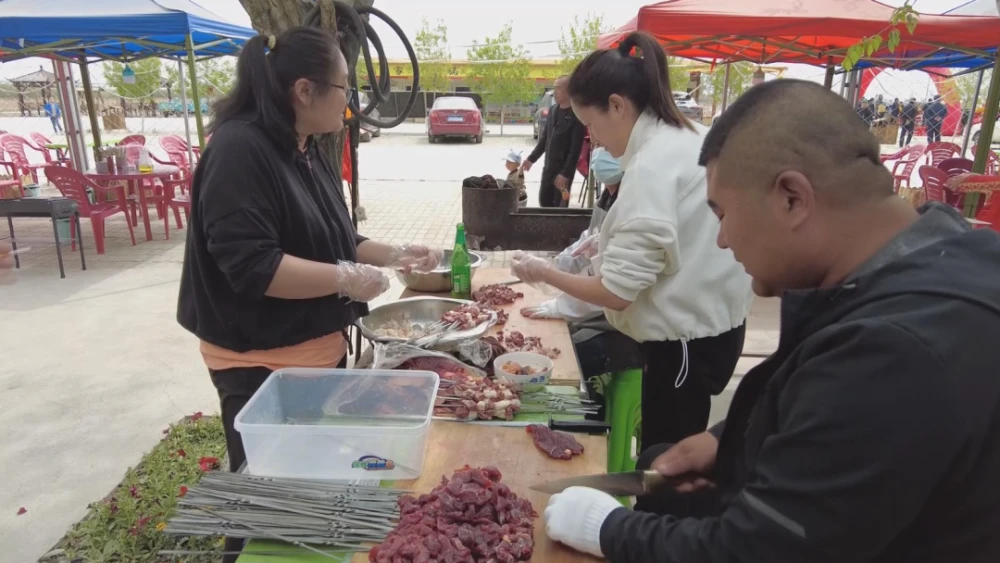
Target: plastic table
136 183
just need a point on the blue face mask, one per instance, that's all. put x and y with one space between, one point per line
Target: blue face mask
606 168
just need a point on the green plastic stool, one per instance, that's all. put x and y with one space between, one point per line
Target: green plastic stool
623 399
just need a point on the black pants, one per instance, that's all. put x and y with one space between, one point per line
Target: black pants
698 504
671 413
905 136
548 194
934 133
235 387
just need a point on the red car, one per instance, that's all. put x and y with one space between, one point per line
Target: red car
455 116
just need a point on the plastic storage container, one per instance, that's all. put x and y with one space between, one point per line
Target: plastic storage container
339 423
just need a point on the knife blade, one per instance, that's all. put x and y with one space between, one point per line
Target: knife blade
631 483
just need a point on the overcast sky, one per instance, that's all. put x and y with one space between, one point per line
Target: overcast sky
536 24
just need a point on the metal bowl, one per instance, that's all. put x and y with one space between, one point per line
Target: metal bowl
418 310
439 279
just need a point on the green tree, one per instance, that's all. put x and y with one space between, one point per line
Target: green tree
500 71
148 78
902 17
433 54
679 71
579 40
216 77
740 80
966 87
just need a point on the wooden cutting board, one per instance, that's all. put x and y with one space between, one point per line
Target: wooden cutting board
553 332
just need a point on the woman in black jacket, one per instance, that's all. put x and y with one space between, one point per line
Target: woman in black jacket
274 271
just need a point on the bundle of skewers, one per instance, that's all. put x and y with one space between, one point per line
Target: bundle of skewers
468 397
302 512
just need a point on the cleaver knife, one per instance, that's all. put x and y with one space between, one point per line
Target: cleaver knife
628 484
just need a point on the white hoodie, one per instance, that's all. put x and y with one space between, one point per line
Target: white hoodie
658 243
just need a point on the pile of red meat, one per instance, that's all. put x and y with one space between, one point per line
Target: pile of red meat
472 517
557 445
496 294
469 397
514 341
446 369
467 316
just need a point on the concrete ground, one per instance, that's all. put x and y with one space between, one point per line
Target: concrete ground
96 366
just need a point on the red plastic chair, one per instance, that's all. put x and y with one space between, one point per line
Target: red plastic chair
73 185
939 152
894 156
992 162
176 150
909 163
934 190
133 140
171 199
955 166
14 147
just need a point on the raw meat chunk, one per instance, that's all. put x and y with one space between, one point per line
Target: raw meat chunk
557 445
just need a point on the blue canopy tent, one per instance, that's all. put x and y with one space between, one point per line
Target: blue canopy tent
86 31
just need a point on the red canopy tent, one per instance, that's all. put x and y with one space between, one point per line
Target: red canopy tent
813 32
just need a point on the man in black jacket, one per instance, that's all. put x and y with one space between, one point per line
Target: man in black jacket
560 141
872 434
934 116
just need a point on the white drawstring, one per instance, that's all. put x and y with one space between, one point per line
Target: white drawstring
683 373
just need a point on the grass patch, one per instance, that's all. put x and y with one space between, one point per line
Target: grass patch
126 526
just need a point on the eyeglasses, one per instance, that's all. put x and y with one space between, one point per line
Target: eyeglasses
338 86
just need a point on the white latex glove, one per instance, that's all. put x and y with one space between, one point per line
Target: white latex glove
546 310
414 257
529 269
575 516
588 248
360 282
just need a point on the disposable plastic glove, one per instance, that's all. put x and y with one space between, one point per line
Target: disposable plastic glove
529 269
588 248
575 516
545 310
414 257
360 282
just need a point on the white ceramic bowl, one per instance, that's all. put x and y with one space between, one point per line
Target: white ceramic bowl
532 382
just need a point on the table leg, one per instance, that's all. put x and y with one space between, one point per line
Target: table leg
145 210
13 242
55 231
79 238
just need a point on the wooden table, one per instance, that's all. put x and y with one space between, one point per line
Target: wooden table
136 181
553 332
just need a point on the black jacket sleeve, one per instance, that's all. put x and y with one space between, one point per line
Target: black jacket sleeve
855 457
543 137
568 169
238 207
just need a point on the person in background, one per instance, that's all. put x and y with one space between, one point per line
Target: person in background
661 280
871 433
867 113
274 270
597 343
907 122
54 113
560 142
515 176
894 110
934 117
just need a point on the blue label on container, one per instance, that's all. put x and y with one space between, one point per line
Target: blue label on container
373 463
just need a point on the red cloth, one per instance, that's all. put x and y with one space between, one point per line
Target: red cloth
346 166
686 28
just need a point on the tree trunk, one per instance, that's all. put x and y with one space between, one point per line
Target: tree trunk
271 17
503 108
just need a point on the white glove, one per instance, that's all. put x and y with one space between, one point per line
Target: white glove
546 310
575 516
588 248
360 282
414 257
529 269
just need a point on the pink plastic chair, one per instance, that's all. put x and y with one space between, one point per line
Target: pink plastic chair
171 199
894 156
934 190
939 152
133 140
176 150
73 185
955 166
992 162
909 163
14 147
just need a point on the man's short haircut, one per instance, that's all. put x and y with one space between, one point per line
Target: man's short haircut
785 125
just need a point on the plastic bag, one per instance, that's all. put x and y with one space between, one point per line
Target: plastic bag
476 351
390 355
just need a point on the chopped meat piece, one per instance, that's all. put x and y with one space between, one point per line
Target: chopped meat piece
471 517
496 294
514 341
469 315
468 398
557 445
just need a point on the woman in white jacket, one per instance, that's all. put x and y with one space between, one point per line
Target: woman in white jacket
662 279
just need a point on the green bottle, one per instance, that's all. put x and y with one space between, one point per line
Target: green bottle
461 270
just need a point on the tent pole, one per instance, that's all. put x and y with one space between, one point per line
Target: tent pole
725 89
75 141
985 132
88 94
194 91
184 103
828 81
972 113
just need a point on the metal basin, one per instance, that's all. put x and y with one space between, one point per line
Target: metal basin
439 279
418 310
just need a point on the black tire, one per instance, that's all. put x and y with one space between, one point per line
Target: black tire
431 139
478 139
975 138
